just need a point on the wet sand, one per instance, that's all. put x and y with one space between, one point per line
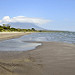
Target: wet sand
51 58
10 35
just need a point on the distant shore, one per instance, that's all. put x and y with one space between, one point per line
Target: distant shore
51 58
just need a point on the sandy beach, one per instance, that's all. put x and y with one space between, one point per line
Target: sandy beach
51 58
10 35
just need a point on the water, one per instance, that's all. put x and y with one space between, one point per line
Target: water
19 44
67 37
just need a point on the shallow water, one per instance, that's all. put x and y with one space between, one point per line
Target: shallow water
19 44
67 37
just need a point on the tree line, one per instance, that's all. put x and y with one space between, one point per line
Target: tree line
8 28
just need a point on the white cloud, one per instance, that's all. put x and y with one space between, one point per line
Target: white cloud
7 19
0 21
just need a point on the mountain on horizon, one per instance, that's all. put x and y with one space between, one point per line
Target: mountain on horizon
25 25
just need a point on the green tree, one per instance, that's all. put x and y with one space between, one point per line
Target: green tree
1 29
33 29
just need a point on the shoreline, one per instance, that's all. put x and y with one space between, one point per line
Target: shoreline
11 35
51 58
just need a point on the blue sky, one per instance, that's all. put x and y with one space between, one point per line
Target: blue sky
61 13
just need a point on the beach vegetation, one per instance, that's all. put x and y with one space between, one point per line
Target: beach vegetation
33 29
8 28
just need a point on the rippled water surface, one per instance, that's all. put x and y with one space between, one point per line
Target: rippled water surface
68 37
19 44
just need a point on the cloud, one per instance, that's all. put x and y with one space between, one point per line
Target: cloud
0 21
23 19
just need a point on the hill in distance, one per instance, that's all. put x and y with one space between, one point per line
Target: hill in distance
25 25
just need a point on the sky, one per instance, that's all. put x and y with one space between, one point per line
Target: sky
48 14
